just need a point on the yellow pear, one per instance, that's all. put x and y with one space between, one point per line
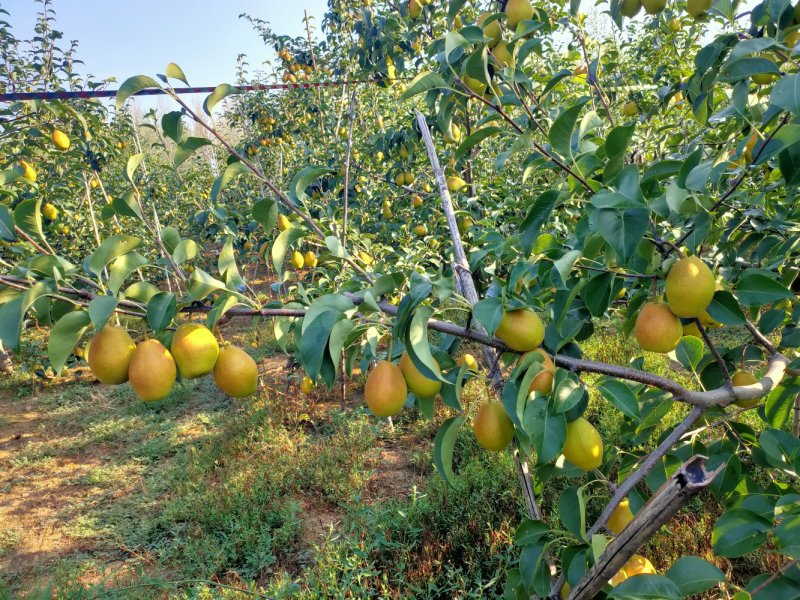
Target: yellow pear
691 329
518 11
636 565
307 384
283 223
653 7
417 382
502 54
414 9
236 373
455 183
583 446
61 140
476 85
630 109
109 354
621 516
493 31
521 330
152 371
742 378
28 172
657 329
421 230
298 262
49 211
629 8
697 8
310 259
469 360
409 178
690 287
543 382
195 350
385 391
493 428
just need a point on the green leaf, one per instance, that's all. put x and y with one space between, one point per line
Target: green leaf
173 126
176 72
474 139
418 347
443 446
221 305
616 147
28 217
188 147
100 310
335 247
170 237
201 284
423 82
548 432
303 179
265 212
221 92
597 293
787 536
646 587
161 310
122 268
693 575
572 511
281 245
6 225
185 250
11 315
530 532
126 206
689 352
488 312
133 85
561 131
111 248
738 532
779 404
64 335
620 395
534 569
786 93
737 69
755 289
536 217
725 309
232 171
141 291
226 264
133 163
623 230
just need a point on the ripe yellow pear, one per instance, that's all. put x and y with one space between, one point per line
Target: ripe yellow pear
310 259
653 7
455 183
417 382
629 8
493 31
236 373
476 85
307 384
543 382
414 9
152 371
630 109
61 140
469 360
657 329
416 201
620 518
195 350
387 212
521 330
409 178
502 54
109 354
297 260
421 230
742 378
518 11
385 391
692 330
583 446
564 593
697 8
493 428
690 287
283 223
49 211
636 565
28 172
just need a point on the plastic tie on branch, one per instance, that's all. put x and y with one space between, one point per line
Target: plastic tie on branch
688 480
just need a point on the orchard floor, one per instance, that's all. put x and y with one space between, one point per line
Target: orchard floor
281 495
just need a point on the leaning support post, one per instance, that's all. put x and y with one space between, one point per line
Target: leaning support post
467 285
687 481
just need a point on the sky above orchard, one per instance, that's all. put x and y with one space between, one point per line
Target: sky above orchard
121 38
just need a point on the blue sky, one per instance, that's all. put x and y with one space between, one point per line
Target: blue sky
121 38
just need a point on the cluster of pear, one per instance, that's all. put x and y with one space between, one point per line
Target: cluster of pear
388 385
60 140
115 358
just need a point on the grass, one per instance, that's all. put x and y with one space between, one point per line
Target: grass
183 497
